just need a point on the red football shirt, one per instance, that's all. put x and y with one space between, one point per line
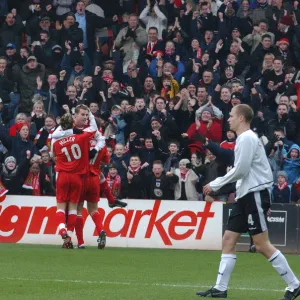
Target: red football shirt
101 156
72 153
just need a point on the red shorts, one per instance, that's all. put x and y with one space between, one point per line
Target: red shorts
68 187
91 189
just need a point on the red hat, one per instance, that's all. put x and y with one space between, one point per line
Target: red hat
286 20
283 41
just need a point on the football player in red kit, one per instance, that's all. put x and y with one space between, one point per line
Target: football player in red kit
93 182
91 193
72 164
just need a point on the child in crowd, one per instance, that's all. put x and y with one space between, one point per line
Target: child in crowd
121 160
282 192
114 181
291 164
146 152
170 155
118 123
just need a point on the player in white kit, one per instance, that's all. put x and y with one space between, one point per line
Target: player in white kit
253 175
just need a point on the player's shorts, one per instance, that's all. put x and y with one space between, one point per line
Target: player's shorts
91 189
249 213
68 187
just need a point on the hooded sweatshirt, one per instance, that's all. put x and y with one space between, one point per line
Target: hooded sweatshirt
292 166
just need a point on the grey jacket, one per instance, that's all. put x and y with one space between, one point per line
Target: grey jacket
126 42
63 6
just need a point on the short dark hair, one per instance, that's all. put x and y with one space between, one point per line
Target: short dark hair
45 32
153 28
266 36
157 162
135 155
264 21
281 129
283 104
246 111
174 142
278 58
202 87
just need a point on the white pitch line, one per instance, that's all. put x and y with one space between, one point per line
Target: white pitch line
135 283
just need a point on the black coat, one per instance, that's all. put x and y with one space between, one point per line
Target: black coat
161 188
93 22
13 180
136 188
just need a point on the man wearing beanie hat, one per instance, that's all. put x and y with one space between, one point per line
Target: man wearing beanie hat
285 29
236 98
282 192
283 51
10 163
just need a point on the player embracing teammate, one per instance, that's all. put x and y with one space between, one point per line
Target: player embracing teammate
82 159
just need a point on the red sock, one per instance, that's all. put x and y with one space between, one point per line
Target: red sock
97 220
105 187
71 222
61 219
79 230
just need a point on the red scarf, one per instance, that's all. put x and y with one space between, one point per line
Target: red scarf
297 85
134 171
183 176
32 182
199 53
107 79
164 93
115 185
282 187
16 128
149 48
3 190
49 138
297 187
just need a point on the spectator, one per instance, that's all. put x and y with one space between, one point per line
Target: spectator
282 192
206 126
26 77
11 32
114 181
37 182
291 164
43 137
19 144
133 33
13 175
153 17
62 7
185 188
134 186
121 160
161 186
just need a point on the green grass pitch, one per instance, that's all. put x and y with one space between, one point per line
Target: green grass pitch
34 272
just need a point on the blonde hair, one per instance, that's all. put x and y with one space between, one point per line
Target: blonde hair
264 66
39 102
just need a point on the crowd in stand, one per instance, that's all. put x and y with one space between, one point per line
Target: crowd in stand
161 76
